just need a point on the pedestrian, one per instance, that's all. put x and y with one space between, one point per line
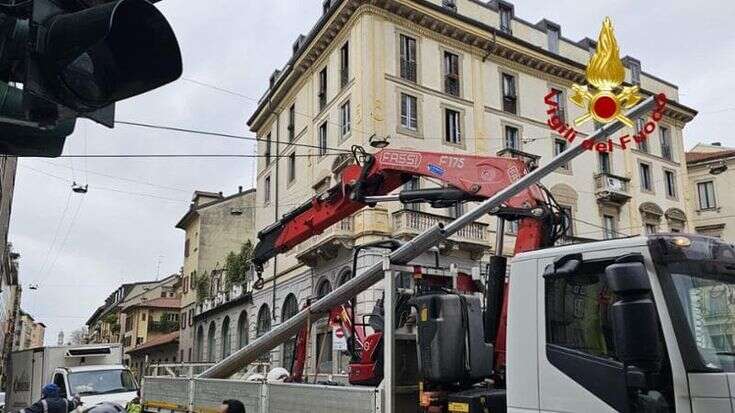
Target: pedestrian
52 402
232 406
134 405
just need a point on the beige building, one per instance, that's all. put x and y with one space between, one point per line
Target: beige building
214 226
458 76
28 333
149 320
104 324
711 177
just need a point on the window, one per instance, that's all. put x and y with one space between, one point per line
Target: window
560 145
344 65
191 317
457 210
263 326
242 330
451 74
142 317
324 351
344 118
325 287
553 39
268 142
506 16
646 181
568 221
651 229
292 167
211 353
290 308
670 183
323 89
640 124
200 344
291 123
665 136
226 339
608 227
408 57
512 140
183 323
510 96
61 383
511 227
409 112
706 191
604 162
577 311
267 190
635 73
414 184
561 104
186 249
128 323
323 139
452 133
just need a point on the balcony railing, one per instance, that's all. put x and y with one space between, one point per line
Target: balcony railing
611 188
221 298
509 104
411 223
408 70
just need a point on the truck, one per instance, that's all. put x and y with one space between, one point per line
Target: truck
95 373
628 325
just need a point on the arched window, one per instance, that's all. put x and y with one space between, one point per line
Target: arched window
263 326
264 320
290 308
243 330
344 277
200 344
324 288
226 338
211 354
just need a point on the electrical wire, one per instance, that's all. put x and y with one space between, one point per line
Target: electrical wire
56 232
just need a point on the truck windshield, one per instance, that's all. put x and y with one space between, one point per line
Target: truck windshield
86 383
701 271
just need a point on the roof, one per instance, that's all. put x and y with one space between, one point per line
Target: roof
695 157
158 341
192 212
157 303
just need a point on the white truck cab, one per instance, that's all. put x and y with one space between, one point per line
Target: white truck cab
97 383
93 372
636 324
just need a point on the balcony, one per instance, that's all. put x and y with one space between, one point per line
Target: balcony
611 189
473 238
326 245
221 298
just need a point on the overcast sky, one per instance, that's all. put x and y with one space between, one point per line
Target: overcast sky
79 248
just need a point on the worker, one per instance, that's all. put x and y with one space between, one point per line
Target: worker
232 406
134 406
52 402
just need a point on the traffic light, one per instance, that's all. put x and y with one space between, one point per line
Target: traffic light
74 60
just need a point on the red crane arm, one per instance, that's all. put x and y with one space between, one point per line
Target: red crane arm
380 174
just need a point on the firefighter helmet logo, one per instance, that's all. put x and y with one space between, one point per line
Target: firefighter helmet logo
604 99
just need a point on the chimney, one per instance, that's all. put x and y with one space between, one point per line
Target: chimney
220 194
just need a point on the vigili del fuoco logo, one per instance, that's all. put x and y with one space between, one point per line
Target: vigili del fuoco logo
604 98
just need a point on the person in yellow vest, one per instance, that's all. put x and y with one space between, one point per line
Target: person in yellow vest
134 405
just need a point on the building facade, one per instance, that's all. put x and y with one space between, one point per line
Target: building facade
711 176
104 324
215 226
160 350
462 77
149 320
28 332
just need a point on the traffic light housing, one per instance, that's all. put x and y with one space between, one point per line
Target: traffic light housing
77 61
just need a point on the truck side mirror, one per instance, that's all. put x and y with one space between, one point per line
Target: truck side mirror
634 317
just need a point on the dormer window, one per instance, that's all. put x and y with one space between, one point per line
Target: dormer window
450 4
553 39
326 5
506 16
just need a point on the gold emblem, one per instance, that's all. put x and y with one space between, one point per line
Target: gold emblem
604 99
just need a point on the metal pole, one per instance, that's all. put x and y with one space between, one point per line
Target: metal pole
499 237
389 288
405 254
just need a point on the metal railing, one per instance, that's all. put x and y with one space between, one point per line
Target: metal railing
609 182
409 221
343 229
